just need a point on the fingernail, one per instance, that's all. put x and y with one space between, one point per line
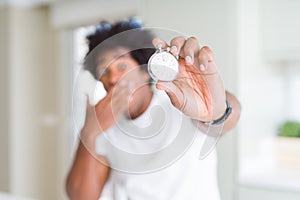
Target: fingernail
188 59
202 67
159 45
174 50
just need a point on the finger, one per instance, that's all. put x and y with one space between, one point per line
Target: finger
126 88
206 60
122 85
172 91
119 102
89 106
176 45
122 99
203 59
157 41
120 94
190 49
88 101
90 110
124 91
119 108
209 52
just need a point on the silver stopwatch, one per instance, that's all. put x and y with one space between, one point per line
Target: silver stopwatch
163 65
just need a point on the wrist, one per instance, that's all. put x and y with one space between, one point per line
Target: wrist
222 118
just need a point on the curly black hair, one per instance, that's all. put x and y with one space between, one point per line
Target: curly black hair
127 34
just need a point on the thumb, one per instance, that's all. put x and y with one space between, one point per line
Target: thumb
89 106
172 91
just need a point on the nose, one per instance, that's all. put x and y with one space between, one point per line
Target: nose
114 77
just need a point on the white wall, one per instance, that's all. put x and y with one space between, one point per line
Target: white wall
31 100
4 101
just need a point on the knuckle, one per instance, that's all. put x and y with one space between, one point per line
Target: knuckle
179 40
204 47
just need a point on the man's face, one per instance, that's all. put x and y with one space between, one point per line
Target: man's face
118 67
114 64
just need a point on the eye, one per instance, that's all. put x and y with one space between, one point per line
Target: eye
103 72
122 66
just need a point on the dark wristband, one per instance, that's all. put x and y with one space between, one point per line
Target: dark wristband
223 118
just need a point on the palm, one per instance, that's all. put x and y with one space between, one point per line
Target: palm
190 92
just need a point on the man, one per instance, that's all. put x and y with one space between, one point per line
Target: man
143 140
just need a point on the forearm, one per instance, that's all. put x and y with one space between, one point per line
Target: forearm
234 117
87 175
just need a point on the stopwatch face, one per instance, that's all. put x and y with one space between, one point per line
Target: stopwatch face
163 66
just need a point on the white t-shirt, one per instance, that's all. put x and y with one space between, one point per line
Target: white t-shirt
156 157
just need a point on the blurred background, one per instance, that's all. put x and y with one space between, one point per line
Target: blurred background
257 48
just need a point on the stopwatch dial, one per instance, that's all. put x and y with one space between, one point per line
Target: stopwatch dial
163 66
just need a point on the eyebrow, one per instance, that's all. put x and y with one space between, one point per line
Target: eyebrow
103 60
